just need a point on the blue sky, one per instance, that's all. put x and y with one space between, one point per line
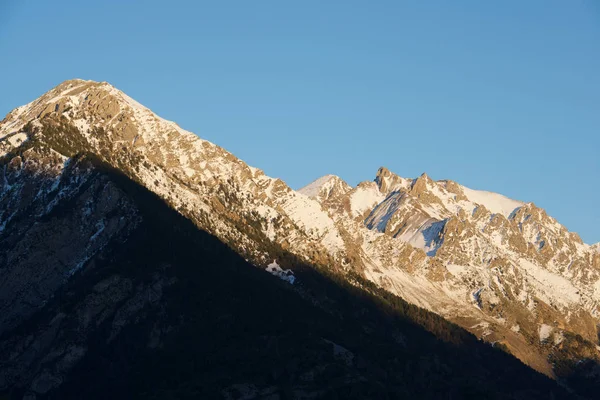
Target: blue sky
502 96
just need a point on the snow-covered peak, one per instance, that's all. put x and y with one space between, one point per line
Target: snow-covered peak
314 188
326 187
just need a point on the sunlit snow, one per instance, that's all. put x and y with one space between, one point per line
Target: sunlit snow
284 274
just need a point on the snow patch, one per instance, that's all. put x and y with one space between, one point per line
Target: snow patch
558 338
545 331
456 270
427 237
365 198
496 203
17 139
283 274
550 288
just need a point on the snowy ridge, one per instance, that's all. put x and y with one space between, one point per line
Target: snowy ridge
496 203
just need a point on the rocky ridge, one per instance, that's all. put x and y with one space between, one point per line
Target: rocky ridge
499 267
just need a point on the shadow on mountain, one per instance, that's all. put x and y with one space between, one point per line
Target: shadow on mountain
173 313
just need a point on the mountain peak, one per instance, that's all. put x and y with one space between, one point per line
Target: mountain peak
388 181
325 187
77 81
90 106
73 87
383 172
420 184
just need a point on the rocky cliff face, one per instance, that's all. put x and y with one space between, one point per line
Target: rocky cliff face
502 269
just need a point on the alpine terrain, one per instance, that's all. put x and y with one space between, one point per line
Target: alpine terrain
140 261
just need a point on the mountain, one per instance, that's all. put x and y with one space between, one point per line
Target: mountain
501 268
135 253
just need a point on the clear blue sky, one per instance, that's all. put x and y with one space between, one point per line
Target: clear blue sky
497 95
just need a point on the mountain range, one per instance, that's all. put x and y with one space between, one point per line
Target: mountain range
139 260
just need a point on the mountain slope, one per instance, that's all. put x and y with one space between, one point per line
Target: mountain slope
502 269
